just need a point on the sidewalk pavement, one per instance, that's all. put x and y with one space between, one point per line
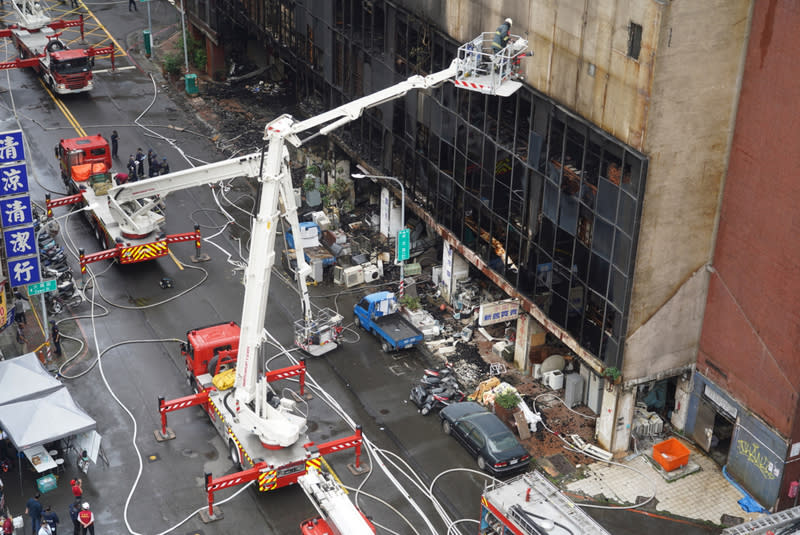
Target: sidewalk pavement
702 495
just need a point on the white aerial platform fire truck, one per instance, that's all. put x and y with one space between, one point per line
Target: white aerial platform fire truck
35 34
264 430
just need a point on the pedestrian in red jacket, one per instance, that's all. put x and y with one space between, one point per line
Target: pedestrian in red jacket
77 488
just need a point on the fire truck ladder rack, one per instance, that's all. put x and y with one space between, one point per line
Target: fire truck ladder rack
543 493
767 524
20 63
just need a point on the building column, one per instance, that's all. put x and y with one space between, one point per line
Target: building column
522 343
616 416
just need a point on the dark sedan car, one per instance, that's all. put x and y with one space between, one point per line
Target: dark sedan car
486 437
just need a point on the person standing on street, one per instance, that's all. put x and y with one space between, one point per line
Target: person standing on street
34 510
8 525
132 4
74 509
55 336
114 144
50 519
86 519
164 167
19 308
77 488
139 163
83 462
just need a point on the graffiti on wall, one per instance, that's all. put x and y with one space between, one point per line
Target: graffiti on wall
752 452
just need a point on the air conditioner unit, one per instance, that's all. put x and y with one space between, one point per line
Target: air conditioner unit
338 275
371 273
353 276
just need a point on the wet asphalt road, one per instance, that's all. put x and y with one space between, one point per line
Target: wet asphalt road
164 487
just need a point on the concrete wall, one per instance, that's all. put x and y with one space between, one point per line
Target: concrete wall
752 328
699 60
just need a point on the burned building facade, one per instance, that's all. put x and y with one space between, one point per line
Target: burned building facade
593 194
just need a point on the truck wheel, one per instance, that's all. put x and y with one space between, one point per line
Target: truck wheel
357 322
386 347
235 455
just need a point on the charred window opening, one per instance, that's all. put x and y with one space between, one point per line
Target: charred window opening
543 197
634 40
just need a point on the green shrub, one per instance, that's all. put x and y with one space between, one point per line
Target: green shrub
172 64
508 399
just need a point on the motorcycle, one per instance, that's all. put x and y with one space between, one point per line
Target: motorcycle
428 399
65 296
60 272
433 377
53 255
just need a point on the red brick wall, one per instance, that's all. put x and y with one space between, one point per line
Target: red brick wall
751 331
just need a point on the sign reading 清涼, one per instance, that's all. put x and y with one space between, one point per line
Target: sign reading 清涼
498 312
16 216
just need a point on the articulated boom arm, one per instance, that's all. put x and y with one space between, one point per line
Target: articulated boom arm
351 111
30 13
132 215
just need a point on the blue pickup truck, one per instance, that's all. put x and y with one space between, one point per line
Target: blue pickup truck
376 313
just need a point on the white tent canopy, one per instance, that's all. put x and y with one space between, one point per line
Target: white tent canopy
44 419
35 408
24 378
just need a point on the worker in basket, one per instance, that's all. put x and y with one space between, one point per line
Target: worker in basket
502 36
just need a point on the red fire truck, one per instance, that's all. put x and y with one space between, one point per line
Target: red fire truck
36 37
130 231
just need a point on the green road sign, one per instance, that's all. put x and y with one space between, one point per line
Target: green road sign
42 287
403 244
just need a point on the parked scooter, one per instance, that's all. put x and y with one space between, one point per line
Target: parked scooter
65 296
431 398
433 377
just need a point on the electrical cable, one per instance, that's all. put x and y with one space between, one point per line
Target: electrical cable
387 504
365 440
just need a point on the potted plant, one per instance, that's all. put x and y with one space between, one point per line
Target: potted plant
505 404
613 377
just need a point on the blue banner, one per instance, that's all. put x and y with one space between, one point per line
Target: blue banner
20 241
22 271
13 179
11 149
15 211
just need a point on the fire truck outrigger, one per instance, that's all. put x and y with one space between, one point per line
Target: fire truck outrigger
37 39
265 431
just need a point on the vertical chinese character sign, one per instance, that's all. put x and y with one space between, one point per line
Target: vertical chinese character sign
19 235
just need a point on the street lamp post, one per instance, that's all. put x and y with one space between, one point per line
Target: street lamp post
400 291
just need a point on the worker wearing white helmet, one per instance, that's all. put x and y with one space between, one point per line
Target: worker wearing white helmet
501 36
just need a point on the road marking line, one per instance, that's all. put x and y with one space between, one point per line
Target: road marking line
333 474
174 259
70 118
126 68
